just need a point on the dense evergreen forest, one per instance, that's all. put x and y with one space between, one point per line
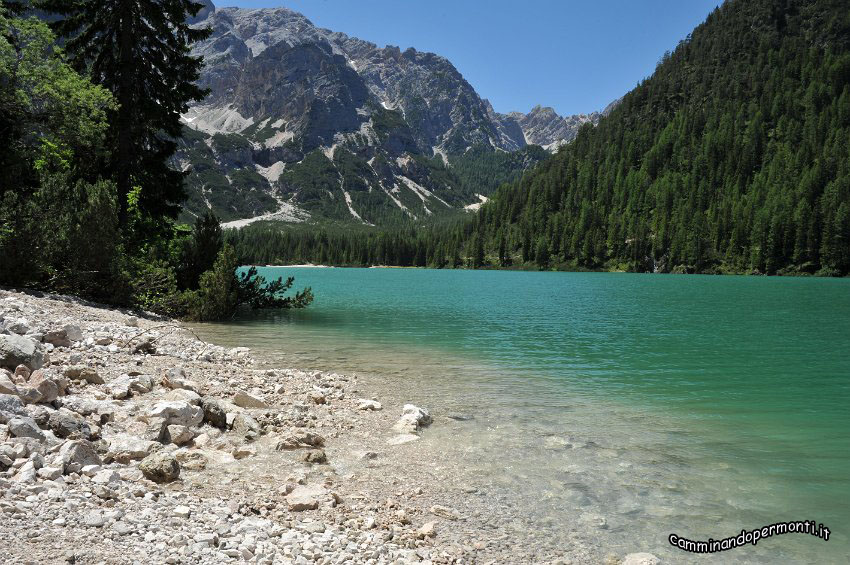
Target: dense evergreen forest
733 157
88 198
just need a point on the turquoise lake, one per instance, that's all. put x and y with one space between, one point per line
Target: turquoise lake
632 405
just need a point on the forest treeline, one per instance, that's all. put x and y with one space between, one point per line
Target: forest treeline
88 196
734 156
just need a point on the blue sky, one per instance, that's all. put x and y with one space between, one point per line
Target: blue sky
574 56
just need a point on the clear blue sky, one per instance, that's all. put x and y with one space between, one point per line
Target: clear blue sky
575 56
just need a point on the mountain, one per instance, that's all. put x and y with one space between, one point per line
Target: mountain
734 156
305 123
544 127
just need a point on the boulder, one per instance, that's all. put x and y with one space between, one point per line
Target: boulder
244 424
124 448
191 460
316 456
84 406
7 386
57 338
421 415
76 454
177 412
10 406
29 394
215 412
125 385
175 379
428 530
19 350
106 476
366 404
412 419
24 426
184 395
160 467
305 497
50 473
73 332
65 423
300 440
178 435
47 388
245 400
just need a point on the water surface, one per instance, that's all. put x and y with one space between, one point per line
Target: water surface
628 406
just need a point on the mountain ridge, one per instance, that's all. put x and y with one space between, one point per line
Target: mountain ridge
283 89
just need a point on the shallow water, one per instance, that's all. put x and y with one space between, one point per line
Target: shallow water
626 407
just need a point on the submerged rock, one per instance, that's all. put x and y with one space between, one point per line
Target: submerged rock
640 559
366 404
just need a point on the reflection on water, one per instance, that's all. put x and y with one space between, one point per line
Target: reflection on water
624 408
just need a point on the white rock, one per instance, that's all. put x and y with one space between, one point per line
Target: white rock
177 412
90 470
125 448
245 400
366 404
49 473
306 497
182 511
179 435
106 476
78 453
421 415
73 332
428 530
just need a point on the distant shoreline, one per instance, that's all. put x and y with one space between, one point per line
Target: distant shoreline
304 266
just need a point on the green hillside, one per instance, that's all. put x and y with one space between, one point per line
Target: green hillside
734 156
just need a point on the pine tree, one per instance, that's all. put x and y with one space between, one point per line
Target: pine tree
140 51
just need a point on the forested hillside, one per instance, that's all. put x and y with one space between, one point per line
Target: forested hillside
733 157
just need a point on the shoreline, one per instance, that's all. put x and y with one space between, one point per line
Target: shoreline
275 465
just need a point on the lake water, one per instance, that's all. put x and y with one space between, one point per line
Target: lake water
623 407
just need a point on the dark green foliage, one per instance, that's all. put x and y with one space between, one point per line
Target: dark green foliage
61 222
58 230
482 170
733 156
216 298
155 289
199 251
139 51
222 291
253 291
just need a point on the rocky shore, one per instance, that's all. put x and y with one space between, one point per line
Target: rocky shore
126 439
